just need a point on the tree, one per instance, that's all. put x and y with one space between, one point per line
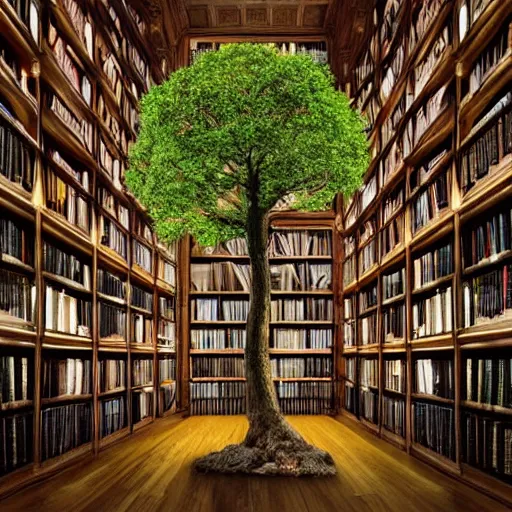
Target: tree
221 142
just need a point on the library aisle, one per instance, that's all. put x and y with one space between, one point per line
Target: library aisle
151 470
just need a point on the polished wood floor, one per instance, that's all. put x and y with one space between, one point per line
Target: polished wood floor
151 471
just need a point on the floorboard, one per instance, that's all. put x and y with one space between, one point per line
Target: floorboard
151 471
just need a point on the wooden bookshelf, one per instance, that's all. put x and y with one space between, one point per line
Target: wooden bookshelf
45 131
454 127
283 224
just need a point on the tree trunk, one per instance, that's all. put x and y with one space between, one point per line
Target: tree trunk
271 446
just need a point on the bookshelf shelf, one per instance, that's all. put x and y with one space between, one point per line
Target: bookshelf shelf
148 386
435 459
218 323
142 423
305 352
112 438
64 399
432 398
437 283
217 379
15 405
68 283
225 351
112 392
394 392
495 409
11 23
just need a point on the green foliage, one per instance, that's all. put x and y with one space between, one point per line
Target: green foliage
243 126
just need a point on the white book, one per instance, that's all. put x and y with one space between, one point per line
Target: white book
11 379
24 378
70 376
448 311
79 374
49 308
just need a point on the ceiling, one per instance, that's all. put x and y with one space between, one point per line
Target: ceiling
219 15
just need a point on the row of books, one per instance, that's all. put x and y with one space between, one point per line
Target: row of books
66 377
369 329
305 397
368 297
350 397
112 322
141 298
300 243
219 276
218 367
113 416
392 71
225 398
301 339
434 377
81 25
393 284
16 435
110 203
393 323
217 339
393 415
16 157
208 309
489 58
15 379
68 314
167 333
112 237
433 265
112 374
369 405
111 165
394 374
142 372
167 307
142 405
429 203
487 444
434 428
488 238
433 314
17 296
369 372
142 256
392 235
310 308
300 367
423 18
422 172
15 242
64 428
82 128
301 276
167 368
67 201
167 271
488 381
109 284
483 152
487 297
368 257
349 271
168 394
66 265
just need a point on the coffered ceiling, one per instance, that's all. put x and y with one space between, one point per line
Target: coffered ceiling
254 15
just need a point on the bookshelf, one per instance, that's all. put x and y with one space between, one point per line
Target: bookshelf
435 203
87 322
302 326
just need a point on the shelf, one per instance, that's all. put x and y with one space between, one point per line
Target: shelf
112 258
69 283
495 409
165 287
435 230
15 199
15 405
142 274
221 351
393 347
218 323
303 379
15 262
196 293
432 398
433 285
393 300
305 352
163 349
393 438
487 483
66 341
110 298
105 346
142 348
494 333
369 311
217 379
433 343
349 350
64 399
394 392
141 310
304 323
143 387
487 262
112 392
473 104
302 292
369 349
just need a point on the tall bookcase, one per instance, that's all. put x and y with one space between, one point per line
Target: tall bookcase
88 308
302 328
426 240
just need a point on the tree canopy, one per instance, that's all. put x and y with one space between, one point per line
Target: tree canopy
243 119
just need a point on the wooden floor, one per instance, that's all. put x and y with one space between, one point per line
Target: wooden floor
151 471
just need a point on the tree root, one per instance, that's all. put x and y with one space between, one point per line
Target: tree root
286 456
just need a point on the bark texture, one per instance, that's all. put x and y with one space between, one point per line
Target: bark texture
271 446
